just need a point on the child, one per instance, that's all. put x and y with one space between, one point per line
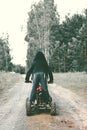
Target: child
40 72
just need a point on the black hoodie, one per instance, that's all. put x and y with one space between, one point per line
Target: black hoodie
39 65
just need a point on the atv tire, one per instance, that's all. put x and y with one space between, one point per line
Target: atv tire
53 109
28 107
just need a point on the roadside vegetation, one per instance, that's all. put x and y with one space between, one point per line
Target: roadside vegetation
6 58
75 81
64 44
8 79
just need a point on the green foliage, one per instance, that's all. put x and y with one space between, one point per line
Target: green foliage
65 44
41 17
33 47
18 69
71 54
5 57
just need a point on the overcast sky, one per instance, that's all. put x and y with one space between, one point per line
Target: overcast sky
13 14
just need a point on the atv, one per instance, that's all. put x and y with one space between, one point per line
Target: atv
40 103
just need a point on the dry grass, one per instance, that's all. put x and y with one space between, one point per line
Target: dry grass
8 80
76 82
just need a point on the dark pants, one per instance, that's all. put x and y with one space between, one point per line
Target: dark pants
39 78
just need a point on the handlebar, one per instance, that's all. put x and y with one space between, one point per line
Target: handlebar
31 82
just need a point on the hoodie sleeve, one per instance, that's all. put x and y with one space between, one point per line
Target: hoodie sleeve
28 74
50 76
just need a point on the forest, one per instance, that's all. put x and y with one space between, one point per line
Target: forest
64 44
6 58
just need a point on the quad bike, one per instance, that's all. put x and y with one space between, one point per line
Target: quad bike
40 103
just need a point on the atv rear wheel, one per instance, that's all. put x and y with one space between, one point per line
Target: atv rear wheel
28 107
53 109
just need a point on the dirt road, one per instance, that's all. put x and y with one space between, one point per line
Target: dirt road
71 112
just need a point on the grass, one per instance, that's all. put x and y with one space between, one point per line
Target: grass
8 80
76 82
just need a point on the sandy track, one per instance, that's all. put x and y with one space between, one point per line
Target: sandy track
71 112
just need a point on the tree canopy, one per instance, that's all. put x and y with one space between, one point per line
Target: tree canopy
64 44
5 57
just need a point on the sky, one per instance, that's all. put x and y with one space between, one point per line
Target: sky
13 20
